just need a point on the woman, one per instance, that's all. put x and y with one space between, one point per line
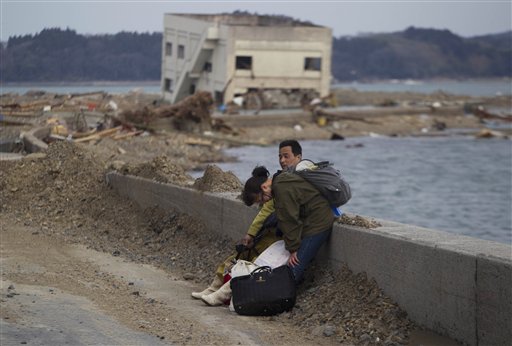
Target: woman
304 215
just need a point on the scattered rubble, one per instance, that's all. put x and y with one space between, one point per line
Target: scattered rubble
192 114
356 220
486 133
95 118
357 313
160 169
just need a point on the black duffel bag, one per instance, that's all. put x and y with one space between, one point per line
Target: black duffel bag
264 292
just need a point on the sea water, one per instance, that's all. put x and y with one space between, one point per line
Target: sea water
457 184
477 87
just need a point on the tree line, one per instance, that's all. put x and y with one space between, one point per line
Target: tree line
60 55
63 55
421 54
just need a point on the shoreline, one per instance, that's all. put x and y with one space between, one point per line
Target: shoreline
362 81
414 86
82 83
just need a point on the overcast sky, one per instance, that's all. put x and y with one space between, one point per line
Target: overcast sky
465 18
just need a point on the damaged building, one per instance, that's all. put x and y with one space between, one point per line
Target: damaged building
258 61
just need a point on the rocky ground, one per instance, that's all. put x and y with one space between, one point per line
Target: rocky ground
63 196
59 199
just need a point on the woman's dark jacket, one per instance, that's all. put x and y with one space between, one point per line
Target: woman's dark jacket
301 210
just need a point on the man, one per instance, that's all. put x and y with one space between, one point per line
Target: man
290 154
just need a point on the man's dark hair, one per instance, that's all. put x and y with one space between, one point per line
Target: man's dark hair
296 148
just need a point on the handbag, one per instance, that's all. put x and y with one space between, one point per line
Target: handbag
264 292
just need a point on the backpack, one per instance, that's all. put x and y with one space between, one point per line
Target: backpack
326 179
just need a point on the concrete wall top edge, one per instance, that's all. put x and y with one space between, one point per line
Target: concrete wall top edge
441 239
228 195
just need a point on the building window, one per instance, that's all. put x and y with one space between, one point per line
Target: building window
168 49
312 64
244 62
181 51
192 89
168 85
207 67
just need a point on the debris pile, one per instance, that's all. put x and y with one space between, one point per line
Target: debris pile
35 102
192 114
92 117
216 180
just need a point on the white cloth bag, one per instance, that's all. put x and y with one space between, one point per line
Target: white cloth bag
242 267
274 256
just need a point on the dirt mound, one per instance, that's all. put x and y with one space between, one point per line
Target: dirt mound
64 191
63 177
215 179
160 169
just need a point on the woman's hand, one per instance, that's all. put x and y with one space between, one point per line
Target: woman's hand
248 241
293 260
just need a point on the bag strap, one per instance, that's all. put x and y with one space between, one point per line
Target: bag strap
261 269
323 164
239 253
270 222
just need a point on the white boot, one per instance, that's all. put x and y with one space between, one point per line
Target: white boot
219 297
214 286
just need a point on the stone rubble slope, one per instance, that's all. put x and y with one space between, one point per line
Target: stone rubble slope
65 194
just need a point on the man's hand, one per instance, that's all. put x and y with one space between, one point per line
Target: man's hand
293 260
248 241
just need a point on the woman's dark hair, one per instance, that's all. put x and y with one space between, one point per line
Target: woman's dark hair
252 187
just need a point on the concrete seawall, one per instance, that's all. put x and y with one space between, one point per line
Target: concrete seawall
33 139
455 285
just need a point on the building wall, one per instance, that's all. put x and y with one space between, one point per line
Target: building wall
216 80
188 32
278 54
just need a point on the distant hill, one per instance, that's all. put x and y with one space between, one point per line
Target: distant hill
421 53
64 55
